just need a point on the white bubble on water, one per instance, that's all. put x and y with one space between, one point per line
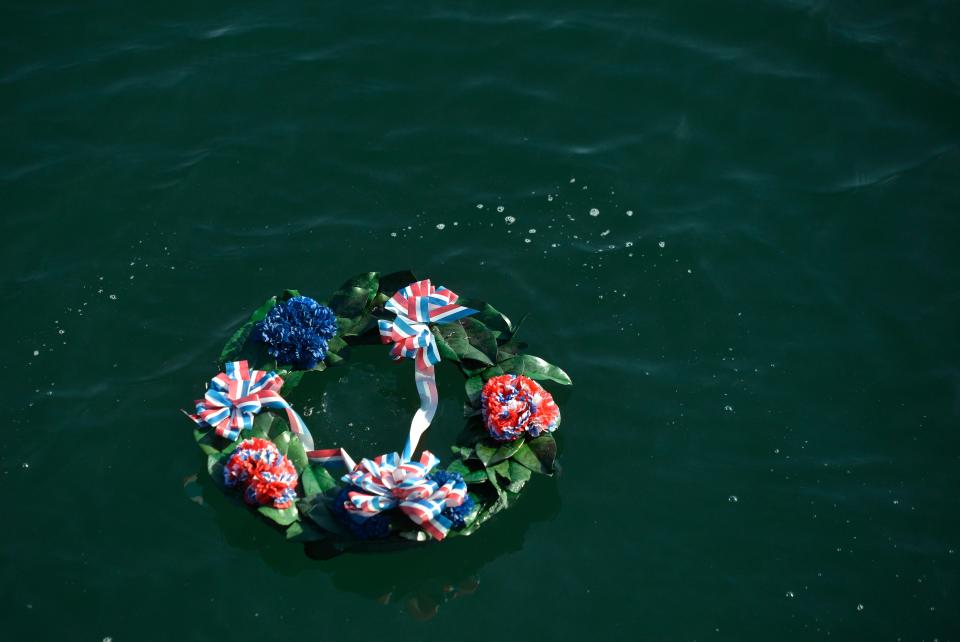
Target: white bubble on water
628 244
859 607
728 408
526 240
733 499
662 244
604 233
550 198
573 180
36 353
629 212
440 226
789 594
113 297
393 234
594 211
479 206
532 230
509 220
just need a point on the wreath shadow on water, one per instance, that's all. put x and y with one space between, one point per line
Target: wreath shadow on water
419 578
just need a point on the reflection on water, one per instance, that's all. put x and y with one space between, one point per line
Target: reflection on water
419 578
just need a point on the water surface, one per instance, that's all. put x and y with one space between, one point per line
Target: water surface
760 317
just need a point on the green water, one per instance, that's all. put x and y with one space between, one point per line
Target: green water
761 321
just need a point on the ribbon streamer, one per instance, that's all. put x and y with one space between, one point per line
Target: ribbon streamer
416 307
390 481
235 396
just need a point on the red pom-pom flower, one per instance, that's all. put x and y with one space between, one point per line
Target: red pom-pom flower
514 405
266 476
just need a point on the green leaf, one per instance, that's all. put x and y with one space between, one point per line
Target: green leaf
236 342
355 326
337 350
488 315
207 440
518 324
535 368
485 452
464 452
290 446
469 476
336 344
290 381
492 478
474 386
445 349
502 469
526 457
279 425
390 283
457 466
309 482
262 423
539 455
510 349
229 448
215 468
353 297
490 373
475 476
282 516
315 508
322 477
454 335
545 448
518 473
507 450
481 338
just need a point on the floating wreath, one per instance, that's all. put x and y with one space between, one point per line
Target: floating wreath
259 449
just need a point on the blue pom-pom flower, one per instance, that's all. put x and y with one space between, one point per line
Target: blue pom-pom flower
375 527
296 332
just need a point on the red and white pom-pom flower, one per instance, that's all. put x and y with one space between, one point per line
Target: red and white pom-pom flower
514 406
266 476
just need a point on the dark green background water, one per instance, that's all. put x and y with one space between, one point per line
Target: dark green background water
761 322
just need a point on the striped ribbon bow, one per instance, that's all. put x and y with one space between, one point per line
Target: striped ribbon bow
417 306
390 481
235 396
